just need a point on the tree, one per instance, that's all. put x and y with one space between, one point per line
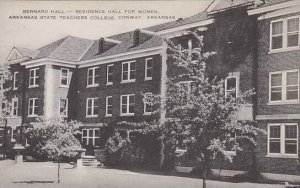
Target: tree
199 111
5 111
202 111
54 138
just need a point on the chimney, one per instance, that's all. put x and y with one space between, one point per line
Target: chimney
101 45
136 37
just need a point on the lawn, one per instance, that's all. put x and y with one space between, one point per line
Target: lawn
44 174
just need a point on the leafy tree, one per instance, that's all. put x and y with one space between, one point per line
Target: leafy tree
198 109
5 110
54 138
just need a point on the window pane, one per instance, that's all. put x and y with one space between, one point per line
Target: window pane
275 131
276 42
291 94
131 99
277 28
293 25
276 94
131 108
291 131
276 79
124 99
97 132
292 78
97 141
125 67
90 141
97 73
291 146
84 133
124 109
91 132
84 141
274 146
292 40
231 83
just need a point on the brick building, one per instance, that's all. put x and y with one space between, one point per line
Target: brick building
100 82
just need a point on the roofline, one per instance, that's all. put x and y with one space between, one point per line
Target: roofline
273 7
121 56
27 63
232 7
10 53
212 5
186 26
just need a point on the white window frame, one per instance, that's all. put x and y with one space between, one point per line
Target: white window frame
284 35
146 68
106 106
34 107
282 138
64 77
127 105
35 78
93 84
147 113
128 71
66 110
283 88
109 74
93 107
87 137
15 87
235 75
15 99
13 130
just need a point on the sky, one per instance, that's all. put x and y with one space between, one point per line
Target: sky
35 33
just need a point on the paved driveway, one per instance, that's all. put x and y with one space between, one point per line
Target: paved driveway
44 174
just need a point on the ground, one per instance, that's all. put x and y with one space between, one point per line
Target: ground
44 174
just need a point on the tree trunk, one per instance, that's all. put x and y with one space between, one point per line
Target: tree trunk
5 139
204 176
58 172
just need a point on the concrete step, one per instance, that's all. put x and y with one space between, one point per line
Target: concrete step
89 161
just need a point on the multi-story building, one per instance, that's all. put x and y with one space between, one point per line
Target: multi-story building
100 82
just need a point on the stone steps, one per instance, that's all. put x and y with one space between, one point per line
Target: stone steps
89 161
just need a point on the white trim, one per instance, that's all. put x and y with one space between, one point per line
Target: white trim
186 26
277 117
92 107
43 61
235 75
49 63
15 99
107 74
93 84
273 7
146 68
88 136
128 80
280 12
121 56
61 76
35 78
14 49
127 105
112 40
284 35
282 140
106 106
15 78
212 5
147 113
66 110
34 107
283 88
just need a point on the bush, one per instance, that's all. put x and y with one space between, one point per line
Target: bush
113 149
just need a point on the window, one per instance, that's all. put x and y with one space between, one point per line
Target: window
15 81
148 106
229 145
283 139
148 69
109 103
284 86
13 135
1 133
92 107
14 107
90 137
109 75
32 107
93 77
128 71
232 84
284 33
34 77
64 77
63 107
127 104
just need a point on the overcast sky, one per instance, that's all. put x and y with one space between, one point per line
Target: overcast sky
37 33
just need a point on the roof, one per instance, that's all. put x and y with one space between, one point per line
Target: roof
273 2
125 46
27 52
183 21
222 5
